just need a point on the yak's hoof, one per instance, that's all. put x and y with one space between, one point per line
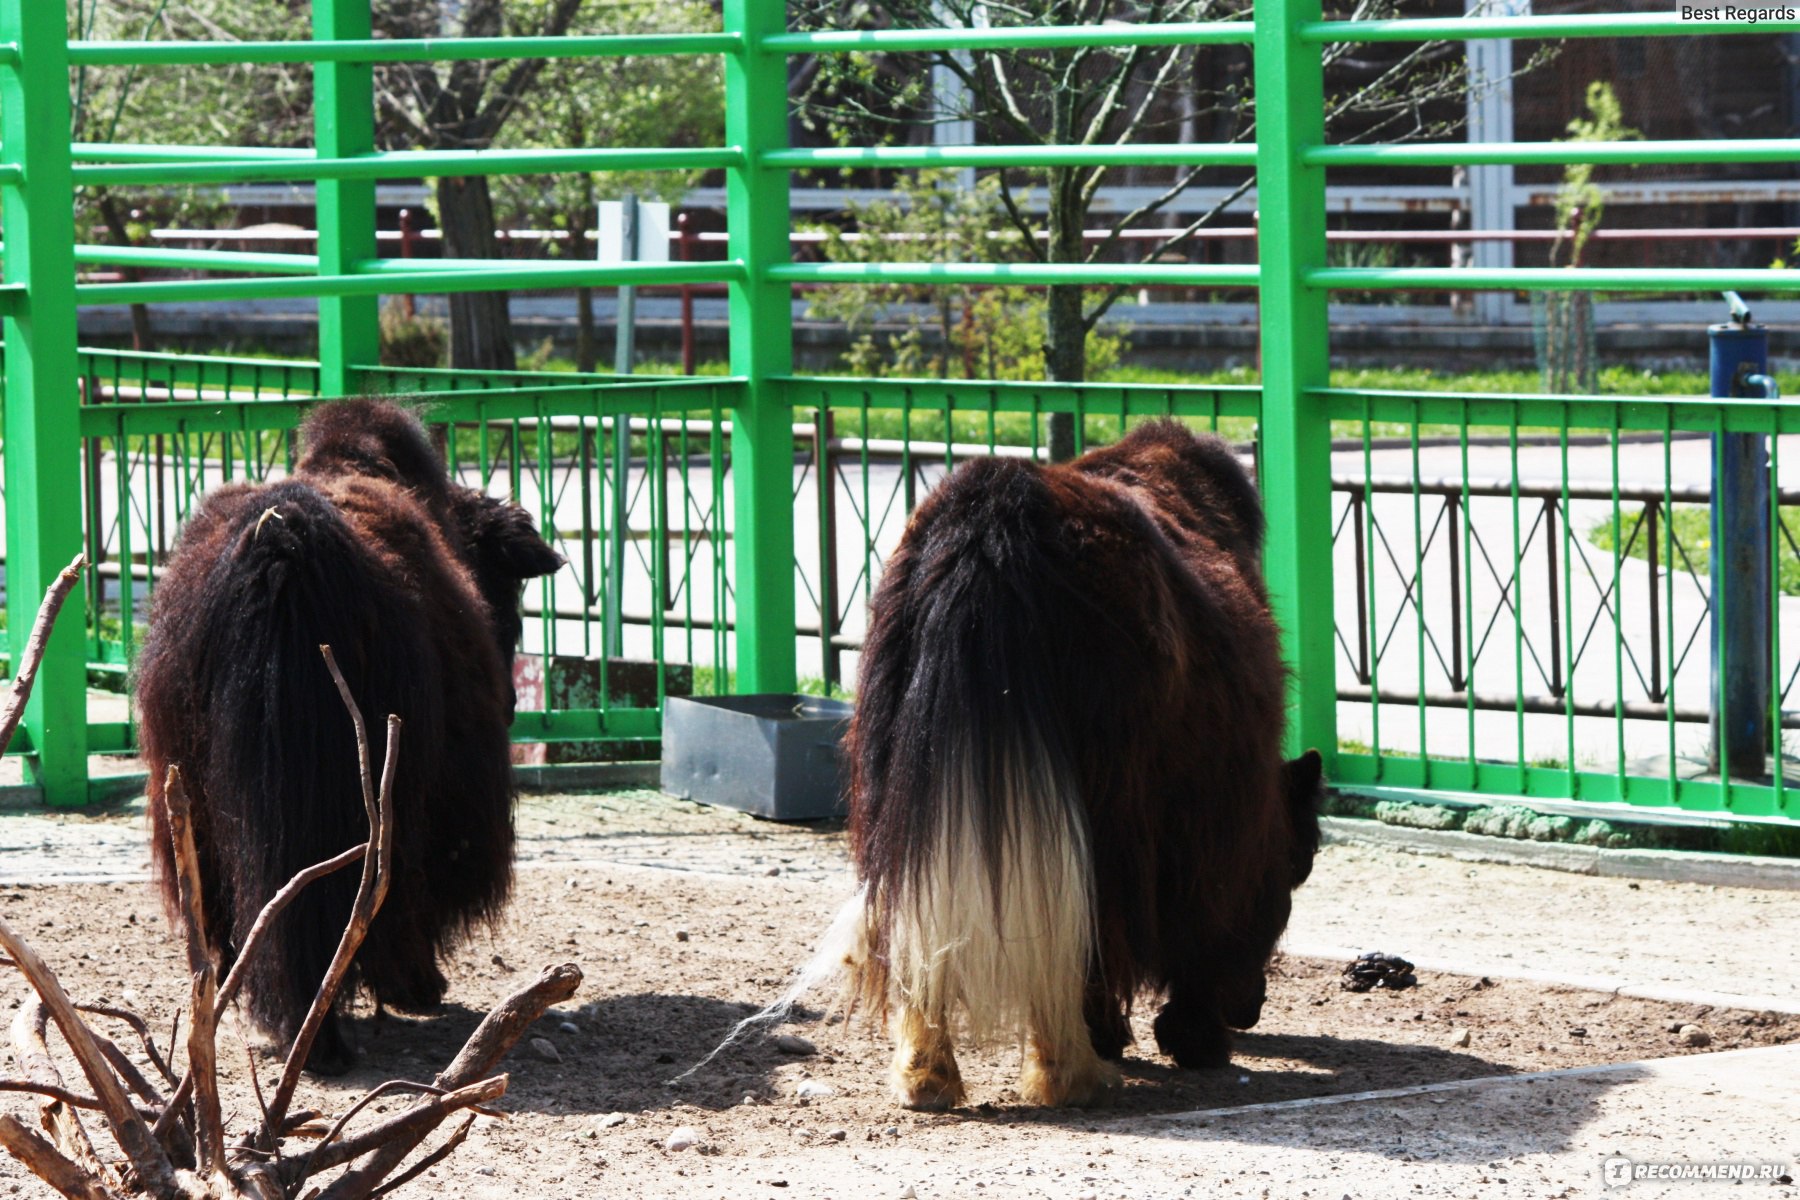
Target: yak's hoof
929 1089
1192 1041
331 1052
1086 1081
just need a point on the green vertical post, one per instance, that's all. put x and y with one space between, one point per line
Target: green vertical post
762 442
43 423
1296 436
344 125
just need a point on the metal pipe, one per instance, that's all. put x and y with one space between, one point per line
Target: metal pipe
374 50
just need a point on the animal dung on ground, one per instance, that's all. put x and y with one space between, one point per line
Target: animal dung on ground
1376 970
793 1043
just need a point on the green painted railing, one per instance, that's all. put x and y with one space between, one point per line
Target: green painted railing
706 521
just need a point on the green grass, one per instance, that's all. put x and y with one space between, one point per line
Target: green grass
1692 528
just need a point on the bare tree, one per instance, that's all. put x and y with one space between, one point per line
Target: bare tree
1107 95
464 106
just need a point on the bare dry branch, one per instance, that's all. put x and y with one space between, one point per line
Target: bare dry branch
416 1123
33 656
252 942
54 1091
370 892
277 903
33 1054
47 1162
133 1135
202 1042
138 1026
429 1161
496 1035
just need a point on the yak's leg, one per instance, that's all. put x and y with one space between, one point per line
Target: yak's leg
925 1074
1190 1029
1107 1027
1061 1066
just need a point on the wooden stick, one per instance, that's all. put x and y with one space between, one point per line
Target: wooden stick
429 1161
496 1034
203 1019
138 1026
54 1091
13 707
48 1163
252 943
33 1052
133 1135
421 1119
370 892
279 901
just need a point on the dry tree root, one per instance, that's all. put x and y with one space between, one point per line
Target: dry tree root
174 1146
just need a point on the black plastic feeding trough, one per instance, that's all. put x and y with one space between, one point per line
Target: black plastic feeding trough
775 756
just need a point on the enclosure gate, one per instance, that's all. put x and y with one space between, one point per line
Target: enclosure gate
92 437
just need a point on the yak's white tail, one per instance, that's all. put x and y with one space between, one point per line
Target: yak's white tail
845 944
996 926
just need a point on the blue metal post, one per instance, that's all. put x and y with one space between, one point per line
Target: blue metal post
1740 563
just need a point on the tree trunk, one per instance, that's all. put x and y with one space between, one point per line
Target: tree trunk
115 224
586 358
480 322
1065 340
586 354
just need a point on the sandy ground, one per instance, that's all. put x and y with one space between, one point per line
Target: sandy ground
686 919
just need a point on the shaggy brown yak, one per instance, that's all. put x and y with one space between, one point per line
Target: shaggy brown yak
414 582
1067 782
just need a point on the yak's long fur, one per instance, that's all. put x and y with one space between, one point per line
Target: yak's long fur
414 582
1067 782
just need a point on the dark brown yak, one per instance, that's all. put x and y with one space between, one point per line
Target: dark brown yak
414 582
1067 782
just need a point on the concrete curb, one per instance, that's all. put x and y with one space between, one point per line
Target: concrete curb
1672 866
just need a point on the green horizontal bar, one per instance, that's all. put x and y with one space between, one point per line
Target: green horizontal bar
124 53
1036 274
110 737
12 295
11 174
199 260
130 152
197 364
1555 279
9 54
934 395
1014 156
1500 779
1014 37
587 725
1632 413
394 276
1736 150
672 396
408 164
1431 29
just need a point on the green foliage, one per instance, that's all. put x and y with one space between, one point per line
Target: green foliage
1579 201
981 332
411 340
223 105
1691 530
633 100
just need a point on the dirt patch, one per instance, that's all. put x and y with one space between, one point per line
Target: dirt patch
673 959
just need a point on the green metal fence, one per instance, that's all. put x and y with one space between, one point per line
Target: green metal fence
704 519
